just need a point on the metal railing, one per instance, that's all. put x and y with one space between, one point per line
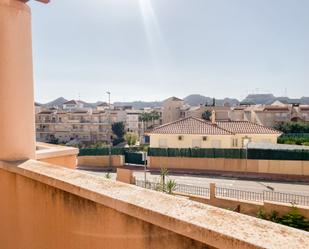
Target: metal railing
148 185
180 188
193 190
286 198
239 194
236 194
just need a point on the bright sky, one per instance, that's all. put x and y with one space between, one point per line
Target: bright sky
153 49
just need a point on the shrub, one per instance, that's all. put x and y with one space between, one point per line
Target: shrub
170 186
291 219
295 219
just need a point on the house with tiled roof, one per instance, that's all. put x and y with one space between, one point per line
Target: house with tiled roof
72 105
193 132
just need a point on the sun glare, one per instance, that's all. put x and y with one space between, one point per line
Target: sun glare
157 46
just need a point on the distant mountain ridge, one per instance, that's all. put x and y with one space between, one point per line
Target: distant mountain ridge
193 100
270 98
197 99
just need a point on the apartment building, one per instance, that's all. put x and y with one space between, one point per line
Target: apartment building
172 109
270 115
84 124
133 123
63 126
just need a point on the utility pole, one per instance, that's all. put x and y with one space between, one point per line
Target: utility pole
109 127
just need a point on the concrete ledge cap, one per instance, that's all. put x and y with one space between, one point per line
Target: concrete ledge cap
213 226
50 151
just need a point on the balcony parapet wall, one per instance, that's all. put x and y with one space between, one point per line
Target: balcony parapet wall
190 222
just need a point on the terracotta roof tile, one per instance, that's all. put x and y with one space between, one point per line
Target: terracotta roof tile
245 127
190 125
276 108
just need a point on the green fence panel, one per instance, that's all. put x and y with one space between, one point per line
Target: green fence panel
94 152
258 154
267 154
305 155
134 158
117 151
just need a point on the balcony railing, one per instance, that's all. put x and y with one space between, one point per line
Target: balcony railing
230 193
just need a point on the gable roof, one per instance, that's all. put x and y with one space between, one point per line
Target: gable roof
193 125
190 125
173 99
245 127
102 104
73 102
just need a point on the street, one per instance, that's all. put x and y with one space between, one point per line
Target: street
203 181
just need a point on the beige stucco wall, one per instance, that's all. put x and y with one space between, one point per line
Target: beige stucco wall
174 142
226 141
69 161
257 138
125 175
36 216
276 167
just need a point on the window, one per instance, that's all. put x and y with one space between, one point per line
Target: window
180 138
204 138
234 142
245 141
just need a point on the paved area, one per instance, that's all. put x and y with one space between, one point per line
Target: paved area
203 181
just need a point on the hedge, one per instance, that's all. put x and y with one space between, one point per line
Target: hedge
262 154
268 154
199 153
101 152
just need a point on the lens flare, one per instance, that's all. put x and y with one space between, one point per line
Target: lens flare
158 49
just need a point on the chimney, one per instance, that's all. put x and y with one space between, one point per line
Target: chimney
213 117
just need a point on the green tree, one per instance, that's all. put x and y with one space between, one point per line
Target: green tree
119 131
131 138
147 117
292 127
207 115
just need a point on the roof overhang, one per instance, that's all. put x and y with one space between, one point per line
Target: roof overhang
41 1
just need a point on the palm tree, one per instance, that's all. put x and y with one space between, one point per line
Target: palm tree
154 116
145 117
163 174
171 186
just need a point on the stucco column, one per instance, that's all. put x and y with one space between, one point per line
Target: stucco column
17 127
212 191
